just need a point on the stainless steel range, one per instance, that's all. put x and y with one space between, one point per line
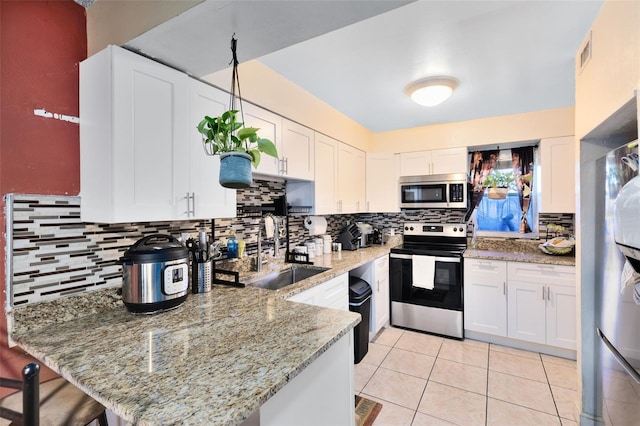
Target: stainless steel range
426 278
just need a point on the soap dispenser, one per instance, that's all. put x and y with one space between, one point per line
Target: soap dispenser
232 246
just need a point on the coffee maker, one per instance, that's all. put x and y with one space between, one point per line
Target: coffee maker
366 233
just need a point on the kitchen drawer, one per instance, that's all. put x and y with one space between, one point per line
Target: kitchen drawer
484 270
335 290
382 264
542 273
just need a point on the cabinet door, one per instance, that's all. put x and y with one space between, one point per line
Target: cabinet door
326 175
561 316
381 183
557 168
381 289
270 126
415 163
351 180
526 308
149 167
210 199
449 160
297 151
485 301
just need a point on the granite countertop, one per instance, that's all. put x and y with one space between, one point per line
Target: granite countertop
516 251
213 360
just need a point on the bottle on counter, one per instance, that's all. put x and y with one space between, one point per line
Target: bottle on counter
232 246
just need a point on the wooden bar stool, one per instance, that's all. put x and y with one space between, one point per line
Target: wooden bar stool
52 403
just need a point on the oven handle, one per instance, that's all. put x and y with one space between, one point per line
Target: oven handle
438 259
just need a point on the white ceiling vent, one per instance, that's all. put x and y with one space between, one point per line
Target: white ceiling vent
585 52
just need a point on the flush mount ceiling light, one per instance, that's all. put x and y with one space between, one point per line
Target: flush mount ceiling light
431 91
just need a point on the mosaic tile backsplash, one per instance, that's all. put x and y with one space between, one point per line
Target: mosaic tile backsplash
54 254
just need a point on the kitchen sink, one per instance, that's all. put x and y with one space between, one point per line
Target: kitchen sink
278 280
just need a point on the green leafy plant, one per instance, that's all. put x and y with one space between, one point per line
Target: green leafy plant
498 179
226 134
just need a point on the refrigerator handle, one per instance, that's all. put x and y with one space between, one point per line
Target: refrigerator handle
625 364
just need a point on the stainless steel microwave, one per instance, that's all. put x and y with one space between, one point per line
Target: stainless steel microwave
434 191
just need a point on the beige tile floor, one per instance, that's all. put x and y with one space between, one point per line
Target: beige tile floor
428 380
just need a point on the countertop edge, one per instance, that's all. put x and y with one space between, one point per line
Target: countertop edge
520 257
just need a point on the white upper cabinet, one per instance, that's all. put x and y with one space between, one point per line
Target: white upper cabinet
438 161
326 175
351 179
297 151
133 119
449 160
210 199
557 169
270 126
136 141
382 182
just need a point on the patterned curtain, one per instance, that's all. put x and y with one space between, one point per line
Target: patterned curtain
482 164
522 161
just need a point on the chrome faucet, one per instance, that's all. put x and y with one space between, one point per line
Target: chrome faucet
276 240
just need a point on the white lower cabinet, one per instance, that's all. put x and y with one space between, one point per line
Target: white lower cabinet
485 299
380 308
542 304
331 294
525 301
322 394
376 274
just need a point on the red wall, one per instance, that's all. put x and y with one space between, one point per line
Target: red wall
41 45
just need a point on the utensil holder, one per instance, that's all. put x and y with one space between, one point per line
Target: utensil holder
201 277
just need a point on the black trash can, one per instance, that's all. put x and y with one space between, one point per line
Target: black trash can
360 302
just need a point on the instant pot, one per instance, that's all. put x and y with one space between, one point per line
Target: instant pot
155 274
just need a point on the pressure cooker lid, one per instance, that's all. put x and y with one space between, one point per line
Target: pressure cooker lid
155 248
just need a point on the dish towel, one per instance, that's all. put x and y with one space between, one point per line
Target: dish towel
424 269
269 227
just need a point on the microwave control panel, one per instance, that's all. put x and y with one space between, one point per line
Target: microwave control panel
456 192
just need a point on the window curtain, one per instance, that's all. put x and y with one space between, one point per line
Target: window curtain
522 161
482 164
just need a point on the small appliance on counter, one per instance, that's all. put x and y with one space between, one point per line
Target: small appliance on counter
155 274
366 234
349 237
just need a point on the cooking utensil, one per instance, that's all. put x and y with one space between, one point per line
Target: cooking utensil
155 274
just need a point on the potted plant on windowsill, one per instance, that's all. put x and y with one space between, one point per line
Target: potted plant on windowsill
498 184
239 147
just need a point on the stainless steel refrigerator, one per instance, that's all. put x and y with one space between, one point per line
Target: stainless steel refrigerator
618 314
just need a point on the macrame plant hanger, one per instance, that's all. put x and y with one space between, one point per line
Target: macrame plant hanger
235 78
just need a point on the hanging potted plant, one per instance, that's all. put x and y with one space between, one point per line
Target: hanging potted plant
498 184
239 147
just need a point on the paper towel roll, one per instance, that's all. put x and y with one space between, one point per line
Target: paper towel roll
316 225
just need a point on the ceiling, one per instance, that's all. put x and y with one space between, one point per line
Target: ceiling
357 56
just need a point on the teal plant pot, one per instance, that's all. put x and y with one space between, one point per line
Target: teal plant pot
235 170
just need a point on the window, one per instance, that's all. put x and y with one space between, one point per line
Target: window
504 192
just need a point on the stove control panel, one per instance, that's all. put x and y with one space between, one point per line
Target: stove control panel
435 229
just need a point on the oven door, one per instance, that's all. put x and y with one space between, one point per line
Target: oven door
447 282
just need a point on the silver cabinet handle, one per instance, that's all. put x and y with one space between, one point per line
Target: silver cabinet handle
504 288
543 296
191 204
286 162
549 293
368 207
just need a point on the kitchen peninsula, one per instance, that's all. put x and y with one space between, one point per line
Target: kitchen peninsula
214 360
